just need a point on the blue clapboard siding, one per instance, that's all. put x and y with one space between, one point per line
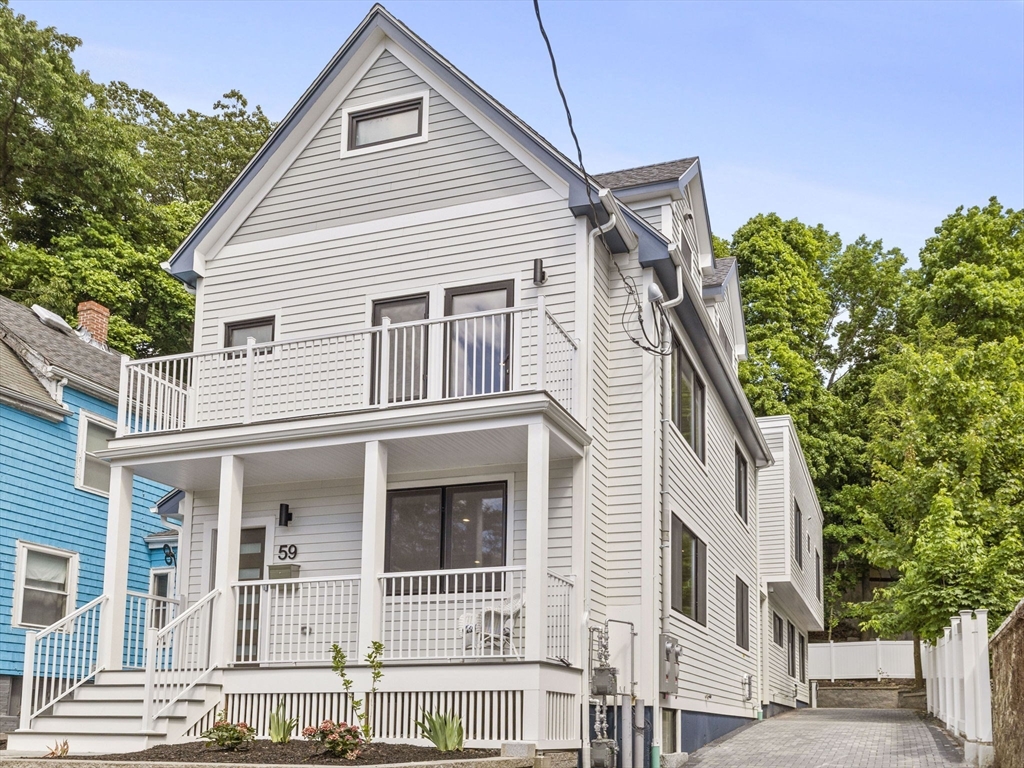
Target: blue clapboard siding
40 504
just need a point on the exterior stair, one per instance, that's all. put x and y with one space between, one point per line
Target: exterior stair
106 716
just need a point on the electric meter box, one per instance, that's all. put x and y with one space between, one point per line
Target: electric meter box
668 667
602 753
604 681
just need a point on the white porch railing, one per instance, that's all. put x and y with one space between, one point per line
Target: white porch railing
958 683
296 620
178 656
144 612
470 613
861 660
59 659
508 350
559 614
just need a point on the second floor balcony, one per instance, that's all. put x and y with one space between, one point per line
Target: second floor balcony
483 354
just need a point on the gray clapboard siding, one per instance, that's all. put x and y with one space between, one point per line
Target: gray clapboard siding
702 494
771 491
652 215
323 288
779 687
459 163
327 523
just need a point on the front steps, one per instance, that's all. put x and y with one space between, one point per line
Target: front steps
106 716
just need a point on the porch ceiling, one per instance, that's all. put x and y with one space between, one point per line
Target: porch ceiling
279 463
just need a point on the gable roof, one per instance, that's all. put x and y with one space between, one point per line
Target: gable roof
22 390
719 274
23 332
645 174
183 264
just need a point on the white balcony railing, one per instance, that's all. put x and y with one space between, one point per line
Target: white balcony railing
560 627
296 620
508 350
470 613
142 613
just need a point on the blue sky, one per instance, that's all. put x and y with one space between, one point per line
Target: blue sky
867 117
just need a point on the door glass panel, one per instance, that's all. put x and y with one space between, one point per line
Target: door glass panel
477 527
250 568
407 355
478 347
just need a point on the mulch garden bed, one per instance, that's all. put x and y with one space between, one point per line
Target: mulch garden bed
297 751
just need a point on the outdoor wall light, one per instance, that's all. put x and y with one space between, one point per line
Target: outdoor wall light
284 516
539 275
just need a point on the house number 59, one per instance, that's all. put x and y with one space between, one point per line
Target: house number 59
287 552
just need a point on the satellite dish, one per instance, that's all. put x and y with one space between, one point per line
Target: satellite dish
52 320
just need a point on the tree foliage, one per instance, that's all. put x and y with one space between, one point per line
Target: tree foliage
99 183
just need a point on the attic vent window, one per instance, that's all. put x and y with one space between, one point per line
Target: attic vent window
385 124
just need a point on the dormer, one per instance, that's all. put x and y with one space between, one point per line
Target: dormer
721 293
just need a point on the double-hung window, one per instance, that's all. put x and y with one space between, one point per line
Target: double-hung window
447 528
778 630
92 472
741 485
687 401
689 573
803 659
742 614
45 584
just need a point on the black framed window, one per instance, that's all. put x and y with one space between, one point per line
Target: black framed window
803 659
798 533
791 658
741 485
385 124
446 528
778 630
261 329
688 404
817 573
478 349
407 348
689 573
742 614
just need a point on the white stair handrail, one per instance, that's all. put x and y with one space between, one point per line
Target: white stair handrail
67 661
177 673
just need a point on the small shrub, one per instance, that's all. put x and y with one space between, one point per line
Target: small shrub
281 728
443 729
340 739
360 707
59 749
227 735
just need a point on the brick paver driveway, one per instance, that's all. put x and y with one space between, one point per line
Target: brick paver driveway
833 738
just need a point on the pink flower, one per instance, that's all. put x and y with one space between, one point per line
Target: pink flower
333 737
327 725
310 731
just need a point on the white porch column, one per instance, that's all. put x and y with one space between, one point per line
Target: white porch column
537 477
181 575
115 570
229 534
375 493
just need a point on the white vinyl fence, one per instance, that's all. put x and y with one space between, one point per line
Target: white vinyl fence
876 659
959 686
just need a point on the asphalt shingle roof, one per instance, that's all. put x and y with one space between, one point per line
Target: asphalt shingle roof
67 351
645 174
722 269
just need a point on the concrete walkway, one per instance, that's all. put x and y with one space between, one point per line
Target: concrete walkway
833 738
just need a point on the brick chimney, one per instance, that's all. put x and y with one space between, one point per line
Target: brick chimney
94 318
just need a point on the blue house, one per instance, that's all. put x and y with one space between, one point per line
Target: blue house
58 406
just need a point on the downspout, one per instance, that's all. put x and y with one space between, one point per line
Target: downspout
595 232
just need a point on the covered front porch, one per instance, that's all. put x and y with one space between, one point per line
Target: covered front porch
454 542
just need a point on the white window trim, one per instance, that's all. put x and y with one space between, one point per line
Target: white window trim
347 112
172 586
84 417
226 320
22 548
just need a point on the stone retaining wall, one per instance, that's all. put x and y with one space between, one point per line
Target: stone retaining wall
1007 646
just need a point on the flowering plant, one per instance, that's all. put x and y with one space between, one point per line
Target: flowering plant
339 739
226 734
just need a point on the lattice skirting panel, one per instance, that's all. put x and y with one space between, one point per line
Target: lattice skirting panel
486 715
254 709
563 721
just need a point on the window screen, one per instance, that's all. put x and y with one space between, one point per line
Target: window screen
96 471
44 597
